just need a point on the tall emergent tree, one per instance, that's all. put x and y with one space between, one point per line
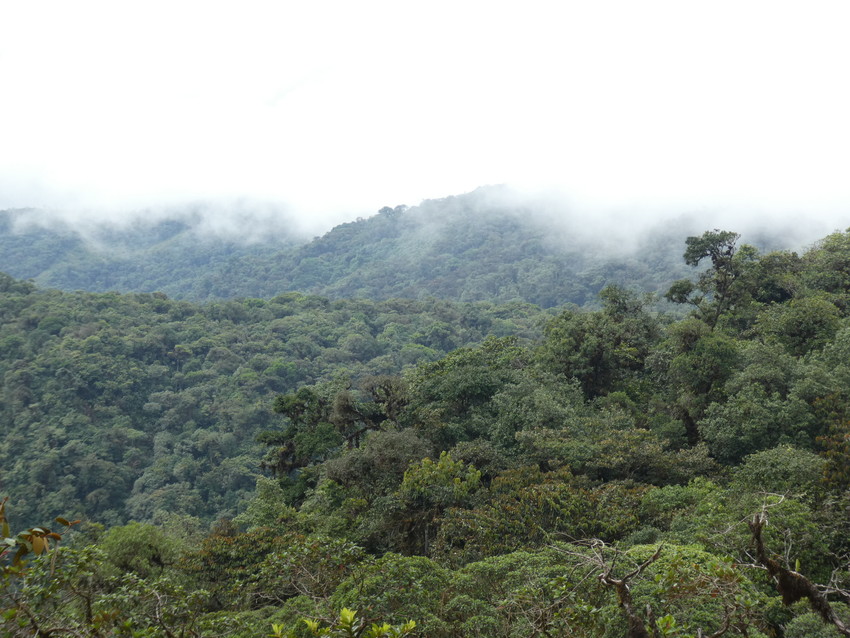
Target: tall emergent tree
720 287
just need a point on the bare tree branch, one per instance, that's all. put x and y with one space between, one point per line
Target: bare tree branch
791 585
636 624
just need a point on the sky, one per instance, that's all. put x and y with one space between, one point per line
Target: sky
330 110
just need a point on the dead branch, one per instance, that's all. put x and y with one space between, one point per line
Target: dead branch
791 585
636 624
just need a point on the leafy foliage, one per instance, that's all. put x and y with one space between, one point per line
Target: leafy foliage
119 407
481 469
481 246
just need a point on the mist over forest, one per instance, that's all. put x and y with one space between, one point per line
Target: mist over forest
492 244
425 320
480 415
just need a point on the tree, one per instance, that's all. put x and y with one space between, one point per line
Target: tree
601 349
827 268
527 508
695 364
723 285
451 398
46 592
427 490
802 324
792 585
378 466
752 420
395 587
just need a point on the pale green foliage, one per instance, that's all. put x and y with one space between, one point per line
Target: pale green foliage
694 364
141 549
70 594
753 420
311 566
781 470
716 517
811 625
698 589
349 625
534 402
767 365
528 508
267 508
443 483
662 505
408 520
608 445
379 464
398 587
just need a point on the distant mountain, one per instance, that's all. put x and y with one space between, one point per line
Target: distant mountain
485 245
165 255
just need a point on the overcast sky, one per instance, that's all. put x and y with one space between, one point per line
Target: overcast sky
335 109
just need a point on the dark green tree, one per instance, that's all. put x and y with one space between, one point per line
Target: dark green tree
601 350
723 286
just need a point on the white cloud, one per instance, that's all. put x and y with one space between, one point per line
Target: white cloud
337 108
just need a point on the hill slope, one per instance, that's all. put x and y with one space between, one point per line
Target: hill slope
483 245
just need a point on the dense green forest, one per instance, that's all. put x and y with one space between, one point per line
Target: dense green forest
297 466
141 404
482 246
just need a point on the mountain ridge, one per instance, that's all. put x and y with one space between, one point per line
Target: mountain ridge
483 245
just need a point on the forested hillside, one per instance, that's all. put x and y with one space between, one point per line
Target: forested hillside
480 469
120 406
483 246
171 254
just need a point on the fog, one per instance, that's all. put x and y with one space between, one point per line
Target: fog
277 115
